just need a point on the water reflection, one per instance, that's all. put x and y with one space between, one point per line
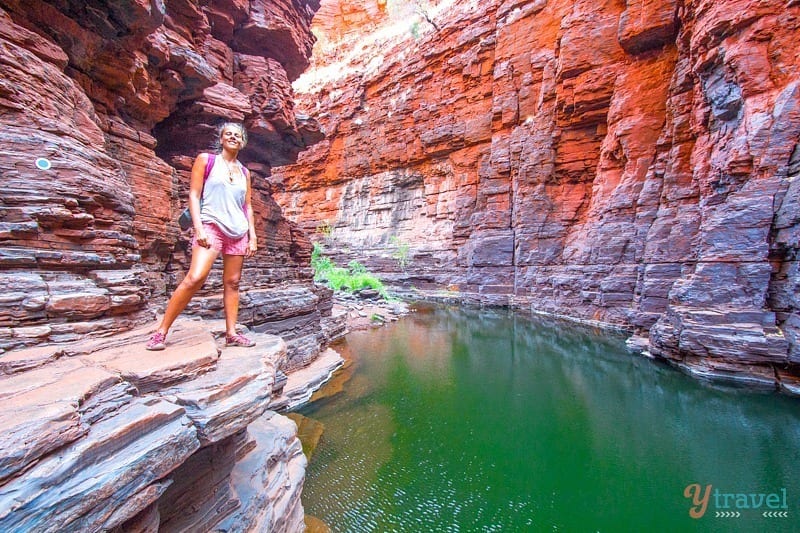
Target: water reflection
458 420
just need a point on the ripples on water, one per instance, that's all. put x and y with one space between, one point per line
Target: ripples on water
457 420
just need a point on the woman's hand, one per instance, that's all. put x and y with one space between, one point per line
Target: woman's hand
252 246
202 238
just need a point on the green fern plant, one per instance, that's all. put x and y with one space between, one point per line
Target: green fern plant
400 253
351 279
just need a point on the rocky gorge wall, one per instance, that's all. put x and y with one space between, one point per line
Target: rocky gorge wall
119 97
631 162
103 107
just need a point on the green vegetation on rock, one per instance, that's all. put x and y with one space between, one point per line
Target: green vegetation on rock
351 279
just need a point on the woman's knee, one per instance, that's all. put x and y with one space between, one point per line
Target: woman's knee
232 282
193 282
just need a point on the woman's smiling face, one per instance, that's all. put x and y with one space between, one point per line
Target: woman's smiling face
232 137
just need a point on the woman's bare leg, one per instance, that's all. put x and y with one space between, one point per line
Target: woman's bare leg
202 260
231 274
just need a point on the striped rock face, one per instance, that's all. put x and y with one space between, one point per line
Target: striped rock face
103 109
631 163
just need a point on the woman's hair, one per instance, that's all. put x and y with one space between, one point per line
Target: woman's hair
221 128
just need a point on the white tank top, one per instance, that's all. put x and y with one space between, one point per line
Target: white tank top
223 200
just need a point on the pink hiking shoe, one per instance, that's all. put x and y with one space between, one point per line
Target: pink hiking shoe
157 342
239 340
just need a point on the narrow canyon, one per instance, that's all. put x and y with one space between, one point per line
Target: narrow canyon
627 163
630 163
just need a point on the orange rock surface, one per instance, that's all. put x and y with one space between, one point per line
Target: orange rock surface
103 110
103 106
632 163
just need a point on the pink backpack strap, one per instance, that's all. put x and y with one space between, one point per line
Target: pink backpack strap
209 166
247 175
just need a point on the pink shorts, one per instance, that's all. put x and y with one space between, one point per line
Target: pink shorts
222 243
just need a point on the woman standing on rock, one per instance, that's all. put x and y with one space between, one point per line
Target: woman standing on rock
222 214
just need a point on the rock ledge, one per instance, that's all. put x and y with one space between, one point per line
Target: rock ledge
104 435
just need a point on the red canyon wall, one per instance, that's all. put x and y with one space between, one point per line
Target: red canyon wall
100 434
120 96
631 162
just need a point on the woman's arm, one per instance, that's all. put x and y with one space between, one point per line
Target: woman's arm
195 194
252 244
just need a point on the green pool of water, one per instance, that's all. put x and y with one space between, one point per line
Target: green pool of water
459 420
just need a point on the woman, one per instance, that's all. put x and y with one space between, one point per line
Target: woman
222 215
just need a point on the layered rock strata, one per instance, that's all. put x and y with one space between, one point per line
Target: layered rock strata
104 435
103 108
631 163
